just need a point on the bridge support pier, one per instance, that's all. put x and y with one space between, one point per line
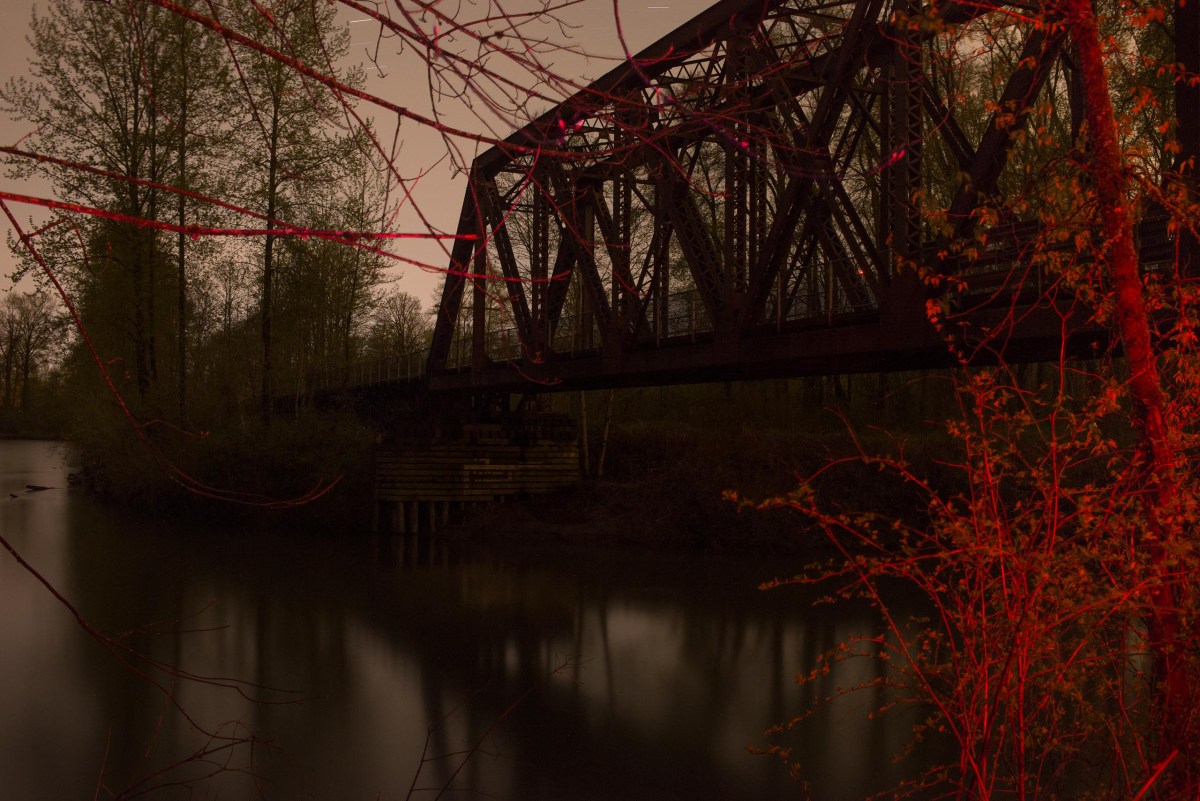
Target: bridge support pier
419 480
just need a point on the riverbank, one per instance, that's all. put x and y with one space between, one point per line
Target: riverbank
306 473
663 485
669 488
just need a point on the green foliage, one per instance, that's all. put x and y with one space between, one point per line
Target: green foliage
182 325
252 473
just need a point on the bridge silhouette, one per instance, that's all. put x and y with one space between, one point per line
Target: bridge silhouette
764 192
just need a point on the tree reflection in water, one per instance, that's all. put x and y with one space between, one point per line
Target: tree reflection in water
674 664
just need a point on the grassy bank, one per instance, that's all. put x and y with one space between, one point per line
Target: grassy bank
670 455
249 474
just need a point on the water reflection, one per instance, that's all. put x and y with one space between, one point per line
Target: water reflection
579 675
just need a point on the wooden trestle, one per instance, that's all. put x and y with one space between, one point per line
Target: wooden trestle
420 483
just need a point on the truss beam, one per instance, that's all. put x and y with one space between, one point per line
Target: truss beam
759 175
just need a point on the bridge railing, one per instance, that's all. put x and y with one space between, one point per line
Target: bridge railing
683 320
400 368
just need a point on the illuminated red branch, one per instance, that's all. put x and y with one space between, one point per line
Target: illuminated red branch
351 238
524 55
407 187
1158 437
41 158
354 119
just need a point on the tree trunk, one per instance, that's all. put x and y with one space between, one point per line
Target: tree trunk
1133 325
181 243
268 263
584 457
139 317
8 374
608 406
26 368
152 261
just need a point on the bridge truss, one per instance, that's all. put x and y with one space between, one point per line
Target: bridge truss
767 191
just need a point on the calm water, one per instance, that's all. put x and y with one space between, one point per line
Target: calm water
577 674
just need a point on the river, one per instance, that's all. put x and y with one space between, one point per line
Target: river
373 665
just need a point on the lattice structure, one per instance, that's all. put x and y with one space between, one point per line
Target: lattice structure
755 194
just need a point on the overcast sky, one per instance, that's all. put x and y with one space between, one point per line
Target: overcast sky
438 195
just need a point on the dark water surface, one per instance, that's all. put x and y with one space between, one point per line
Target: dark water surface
582 674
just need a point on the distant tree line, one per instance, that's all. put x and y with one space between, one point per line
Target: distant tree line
146 117
30 327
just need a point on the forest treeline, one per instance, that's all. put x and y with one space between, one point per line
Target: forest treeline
147 116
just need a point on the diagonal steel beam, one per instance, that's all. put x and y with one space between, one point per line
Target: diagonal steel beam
578 236
943 120
513 280
858 35
695 240
559 284
469 231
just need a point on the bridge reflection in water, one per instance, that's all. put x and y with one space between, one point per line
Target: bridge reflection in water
638 678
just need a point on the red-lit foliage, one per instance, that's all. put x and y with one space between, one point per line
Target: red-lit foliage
1037 658
1058 562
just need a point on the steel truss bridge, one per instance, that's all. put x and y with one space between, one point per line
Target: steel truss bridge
754 194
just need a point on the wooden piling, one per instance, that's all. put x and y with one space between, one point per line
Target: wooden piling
487 464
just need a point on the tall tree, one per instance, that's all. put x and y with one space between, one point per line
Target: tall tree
291 145
326 289
28 333
93 96
398 326
200 90
1159 437
9 336
35 336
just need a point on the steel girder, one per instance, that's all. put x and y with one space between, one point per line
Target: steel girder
768 169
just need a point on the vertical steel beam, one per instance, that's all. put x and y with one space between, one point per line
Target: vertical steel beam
902 151
539 262
479 300
470 233
756 217
622 249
